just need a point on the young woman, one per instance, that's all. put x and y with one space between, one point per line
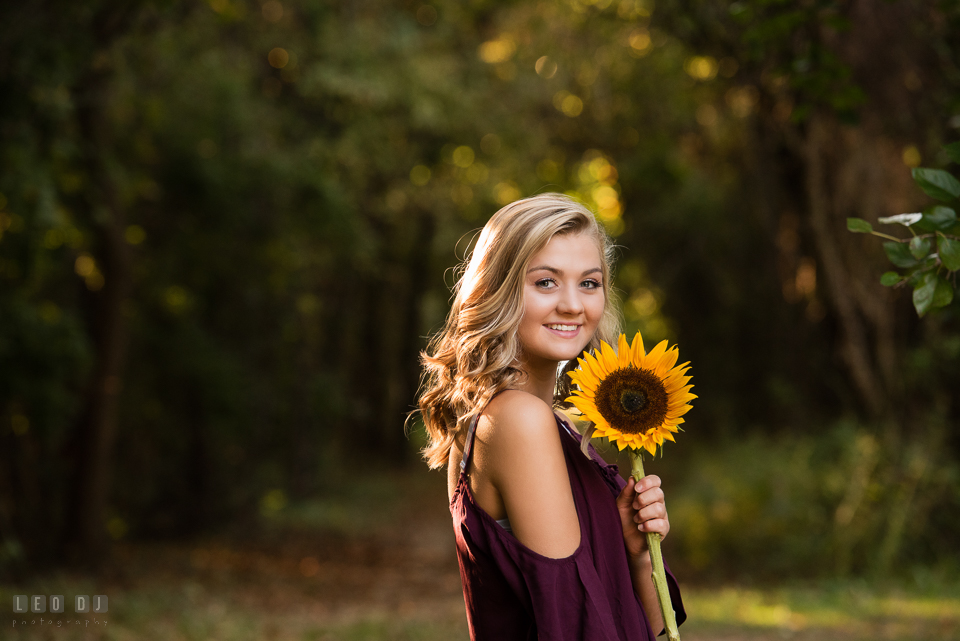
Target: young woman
551 541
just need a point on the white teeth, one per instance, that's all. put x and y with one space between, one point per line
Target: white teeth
563 328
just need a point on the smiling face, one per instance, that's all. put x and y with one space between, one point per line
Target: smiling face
563 300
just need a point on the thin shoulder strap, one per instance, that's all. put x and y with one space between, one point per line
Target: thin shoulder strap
468 446
471 433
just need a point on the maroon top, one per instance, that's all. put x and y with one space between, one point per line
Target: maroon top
513 593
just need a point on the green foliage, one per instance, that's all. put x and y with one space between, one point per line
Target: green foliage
899 254
953 151
808 506
890 278
287 182
933 277
859 226
937 218
937 183
288 190
949 251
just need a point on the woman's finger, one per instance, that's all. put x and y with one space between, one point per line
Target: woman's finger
647 483
655 511
660 526
649 497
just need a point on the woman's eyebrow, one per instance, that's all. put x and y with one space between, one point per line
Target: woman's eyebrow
559 272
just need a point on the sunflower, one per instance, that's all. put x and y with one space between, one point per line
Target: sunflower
636 399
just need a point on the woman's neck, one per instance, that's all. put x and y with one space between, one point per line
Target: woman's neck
541 381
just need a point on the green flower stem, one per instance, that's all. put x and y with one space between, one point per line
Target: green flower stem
656 560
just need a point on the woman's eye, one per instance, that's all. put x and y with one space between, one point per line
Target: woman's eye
591 284
545 283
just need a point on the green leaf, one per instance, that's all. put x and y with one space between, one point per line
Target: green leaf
889 279
937 218
937 183
943 294
899 254
859 226
953 151
923 294
949 250
919 247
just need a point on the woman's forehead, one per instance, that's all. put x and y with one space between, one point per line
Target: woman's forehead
569 251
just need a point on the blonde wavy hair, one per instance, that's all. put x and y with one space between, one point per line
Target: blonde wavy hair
476 353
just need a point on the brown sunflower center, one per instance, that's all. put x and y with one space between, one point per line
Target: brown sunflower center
633 401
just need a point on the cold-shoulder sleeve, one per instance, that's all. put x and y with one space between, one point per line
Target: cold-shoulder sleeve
512 592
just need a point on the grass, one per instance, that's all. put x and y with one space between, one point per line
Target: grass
842 610
192 611
375 561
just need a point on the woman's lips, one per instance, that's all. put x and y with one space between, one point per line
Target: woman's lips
563 330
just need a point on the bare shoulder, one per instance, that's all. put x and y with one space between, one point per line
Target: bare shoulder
523 459
517 435
515 419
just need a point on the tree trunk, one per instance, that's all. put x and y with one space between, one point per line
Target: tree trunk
86 540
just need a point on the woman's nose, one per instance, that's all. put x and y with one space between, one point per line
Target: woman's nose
570 302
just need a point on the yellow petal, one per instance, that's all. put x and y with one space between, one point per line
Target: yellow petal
608 357
682 410
655 355
667 361
623 351
592 373
584 405
679 399
637 351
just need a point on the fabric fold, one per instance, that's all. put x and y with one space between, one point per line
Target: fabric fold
513 593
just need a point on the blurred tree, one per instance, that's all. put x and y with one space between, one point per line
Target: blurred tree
846 95
227 225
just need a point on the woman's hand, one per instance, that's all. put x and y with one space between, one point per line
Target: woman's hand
642 510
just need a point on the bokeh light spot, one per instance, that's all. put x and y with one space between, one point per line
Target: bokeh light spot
420 175
640 42
272 502
497 51
505 193
117 528
278 58
135 234
50 312
571 106
84 266
545 67
701 67
911 156
463 156
176 298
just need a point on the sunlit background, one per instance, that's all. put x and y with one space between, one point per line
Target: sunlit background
228 227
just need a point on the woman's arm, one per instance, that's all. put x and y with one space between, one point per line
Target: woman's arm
643 510
520 456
